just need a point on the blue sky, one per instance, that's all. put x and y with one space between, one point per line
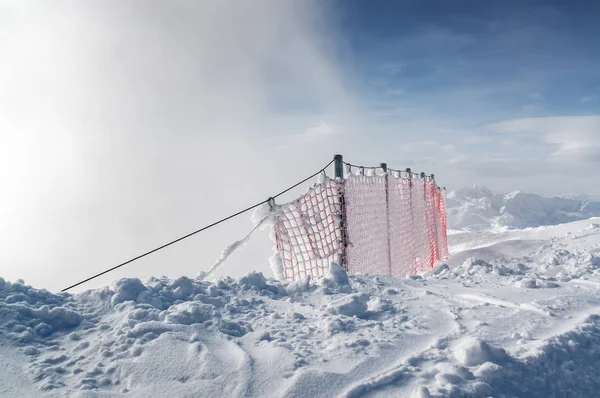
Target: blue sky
502 55
124 125
459 75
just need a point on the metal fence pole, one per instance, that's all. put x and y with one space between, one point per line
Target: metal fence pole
339 166
339 175
387 213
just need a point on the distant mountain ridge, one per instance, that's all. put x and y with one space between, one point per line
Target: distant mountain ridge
478 208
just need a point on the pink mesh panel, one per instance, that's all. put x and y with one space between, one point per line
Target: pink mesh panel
308 231
431 222
396 231
367 228
442 236
403 240
422 254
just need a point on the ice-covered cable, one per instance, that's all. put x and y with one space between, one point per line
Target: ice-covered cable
229 250
198 231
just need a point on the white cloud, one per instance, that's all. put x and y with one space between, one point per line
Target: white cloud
585 99
544 154
123 125
319 134
427 147
569 138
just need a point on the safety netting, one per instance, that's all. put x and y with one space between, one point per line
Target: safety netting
309 231
380 224
367 243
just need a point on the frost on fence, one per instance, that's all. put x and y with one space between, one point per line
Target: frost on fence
393 225
404 219
308 231
368 250
417 225
442 231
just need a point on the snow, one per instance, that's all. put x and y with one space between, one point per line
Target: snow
336 280
513 312
477 208
264 217
474 352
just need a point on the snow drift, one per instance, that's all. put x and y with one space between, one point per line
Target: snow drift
517 318
515 313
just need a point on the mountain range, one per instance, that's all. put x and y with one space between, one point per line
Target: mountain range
477 208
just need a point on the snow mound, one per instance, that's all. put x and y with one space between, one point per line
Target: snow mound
473 352
92 341
336 280
30 314
566 365
352 305
191 312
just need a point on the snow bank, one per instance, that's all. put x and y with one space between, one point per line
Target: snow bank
27 314
519 318
81 342
566 365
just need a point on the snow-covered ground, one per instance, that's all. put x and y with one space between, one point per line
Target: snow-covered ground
512 313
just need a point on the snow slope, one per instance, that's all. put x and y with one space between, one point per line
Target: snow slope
511 314
477 208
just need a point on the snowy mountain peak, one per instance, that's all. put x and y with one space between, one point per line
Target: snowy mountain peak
513 194
477 208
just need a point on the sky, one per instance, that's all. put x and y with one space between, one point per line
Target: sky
124 125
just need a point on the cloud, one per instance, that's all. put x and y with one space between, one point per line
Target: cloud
461 78
566 138
585 99
317 135
539 154
477 73
423 155
124 125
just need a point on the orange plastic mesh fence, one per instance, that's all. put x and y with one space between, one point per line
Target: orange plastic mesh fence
442 230
308 231
368 246
406 217
392 225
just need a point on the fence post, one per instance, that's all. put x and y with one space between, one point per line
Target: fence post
339 166
387 213
339 174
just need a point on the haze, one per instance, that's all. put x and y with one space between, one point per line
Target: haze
126 125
